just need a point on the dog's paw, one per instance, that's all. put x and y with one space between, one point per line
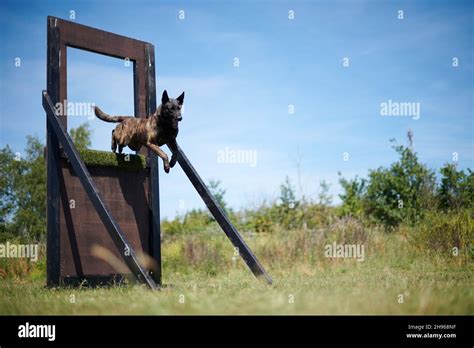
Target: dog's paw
167 168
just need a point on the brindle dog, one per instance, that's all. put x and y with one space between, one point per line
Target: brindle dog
154 131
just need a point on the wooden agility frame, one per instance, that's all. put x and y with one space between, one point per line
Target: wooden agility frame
61 35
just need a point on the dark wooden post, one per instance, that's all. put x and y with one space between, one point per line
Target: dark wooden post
52 159
154 190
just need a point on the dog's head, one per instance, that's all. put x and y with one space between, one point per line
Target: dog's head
171 109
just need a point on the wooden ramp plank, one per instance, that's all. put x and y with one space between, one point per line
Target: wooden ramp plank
220 216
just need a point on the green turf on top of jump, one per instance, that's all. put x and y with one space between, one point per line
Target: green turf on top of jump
96 158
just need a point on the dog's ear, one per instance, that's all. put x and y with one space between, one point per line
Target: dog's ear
180 99
164 97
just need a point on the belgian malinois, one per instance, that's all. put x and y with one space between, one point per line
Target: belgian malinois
154 131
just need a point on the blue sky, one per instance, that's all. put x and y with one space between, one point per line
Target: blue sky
282 62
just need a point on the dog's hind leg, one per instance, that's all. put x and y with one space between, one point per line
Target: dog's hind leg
114 142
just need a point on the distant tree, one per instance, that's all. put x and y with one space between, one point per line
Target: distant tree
10 168
23 193
81 136
288 213
401 192
287 194
218 193
353 196
30 218
23 188
456 189
324 197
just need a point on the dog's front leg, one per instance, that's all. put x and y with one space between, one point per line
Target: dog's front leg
156 149
174 149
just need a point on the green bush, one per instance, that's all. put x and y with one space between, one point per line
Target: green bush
193 221
352 198
24 268
346 230
261 221
442 232
456 190
401 193
317 215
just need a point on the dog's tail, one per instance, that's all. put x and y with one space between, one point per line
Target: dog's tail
107 118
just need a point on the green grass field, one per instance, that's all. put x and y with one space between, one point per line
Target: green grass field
393 279
417 233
